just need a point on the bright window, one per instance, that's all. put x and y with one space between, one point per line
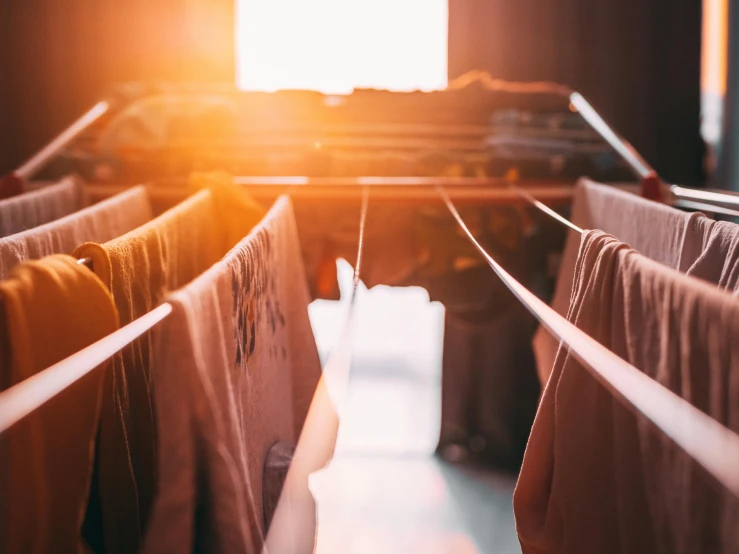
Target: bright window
335 46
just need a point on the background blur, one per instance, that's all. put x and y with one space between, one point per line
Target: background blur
638 61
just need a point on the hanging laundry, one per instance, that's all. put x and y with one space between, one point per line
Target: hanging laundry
37 207
236 367
715 254
51 309
598 478
140 268
688 242
100 222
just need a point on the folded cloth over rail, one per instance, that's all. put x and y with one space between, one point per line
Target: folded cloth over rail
688 242
236 366
40 206
140 268
598 478
51 309
100 222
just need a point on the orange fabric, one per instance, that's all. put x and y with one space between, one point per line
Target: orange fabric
140 268
52 308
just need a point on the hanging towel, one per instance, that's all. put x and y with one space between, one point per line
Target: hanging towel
52 309
689 242
598 478
98 223
40 206
140 268
236 368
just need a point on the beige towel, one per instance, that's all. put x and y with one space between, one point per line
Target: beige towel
689 242
98 223
597 478
35 208
236 368
140 268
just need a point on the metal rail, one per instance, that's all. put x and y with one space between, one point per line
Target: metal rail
40 159
638 165
630 155
709 443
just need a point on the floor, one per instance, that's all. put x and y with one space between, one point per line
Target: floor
384 491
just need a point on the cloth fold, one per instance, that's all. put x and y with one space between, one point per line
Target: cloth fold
52 308
100 222
597 477
688 242
140 268
236 368
40 206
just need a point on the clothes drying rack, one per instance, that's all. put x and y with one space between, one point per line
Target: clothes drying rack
713 446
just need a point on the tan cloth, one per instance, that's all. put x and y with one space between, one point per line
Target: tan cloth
597 478
101 222
715 255
40 206
236 369
52 308
140 268
688 242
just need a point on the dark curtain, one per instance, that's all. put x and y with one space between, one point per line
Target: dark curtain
637 61
58 57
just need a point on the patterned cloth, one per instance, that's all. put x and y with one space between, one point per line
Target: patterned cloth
236 367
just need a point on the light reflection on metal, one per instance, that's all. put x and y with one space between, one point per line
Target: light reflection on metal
638 165
40 159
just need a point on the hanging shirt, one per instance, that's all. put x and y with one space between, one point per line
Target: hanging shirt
598 478
140 268
236 368
100 222
40 206
52 308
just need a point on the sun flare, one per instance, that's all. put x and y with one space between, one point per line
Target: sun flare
334 46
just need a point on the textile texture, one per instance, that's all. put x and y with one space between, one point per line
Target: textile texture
37 207
688 242
598 478
52 309
236 369
140 268
100 222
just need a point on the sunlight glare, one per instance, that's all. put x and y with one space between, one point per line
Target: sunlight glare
334 46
